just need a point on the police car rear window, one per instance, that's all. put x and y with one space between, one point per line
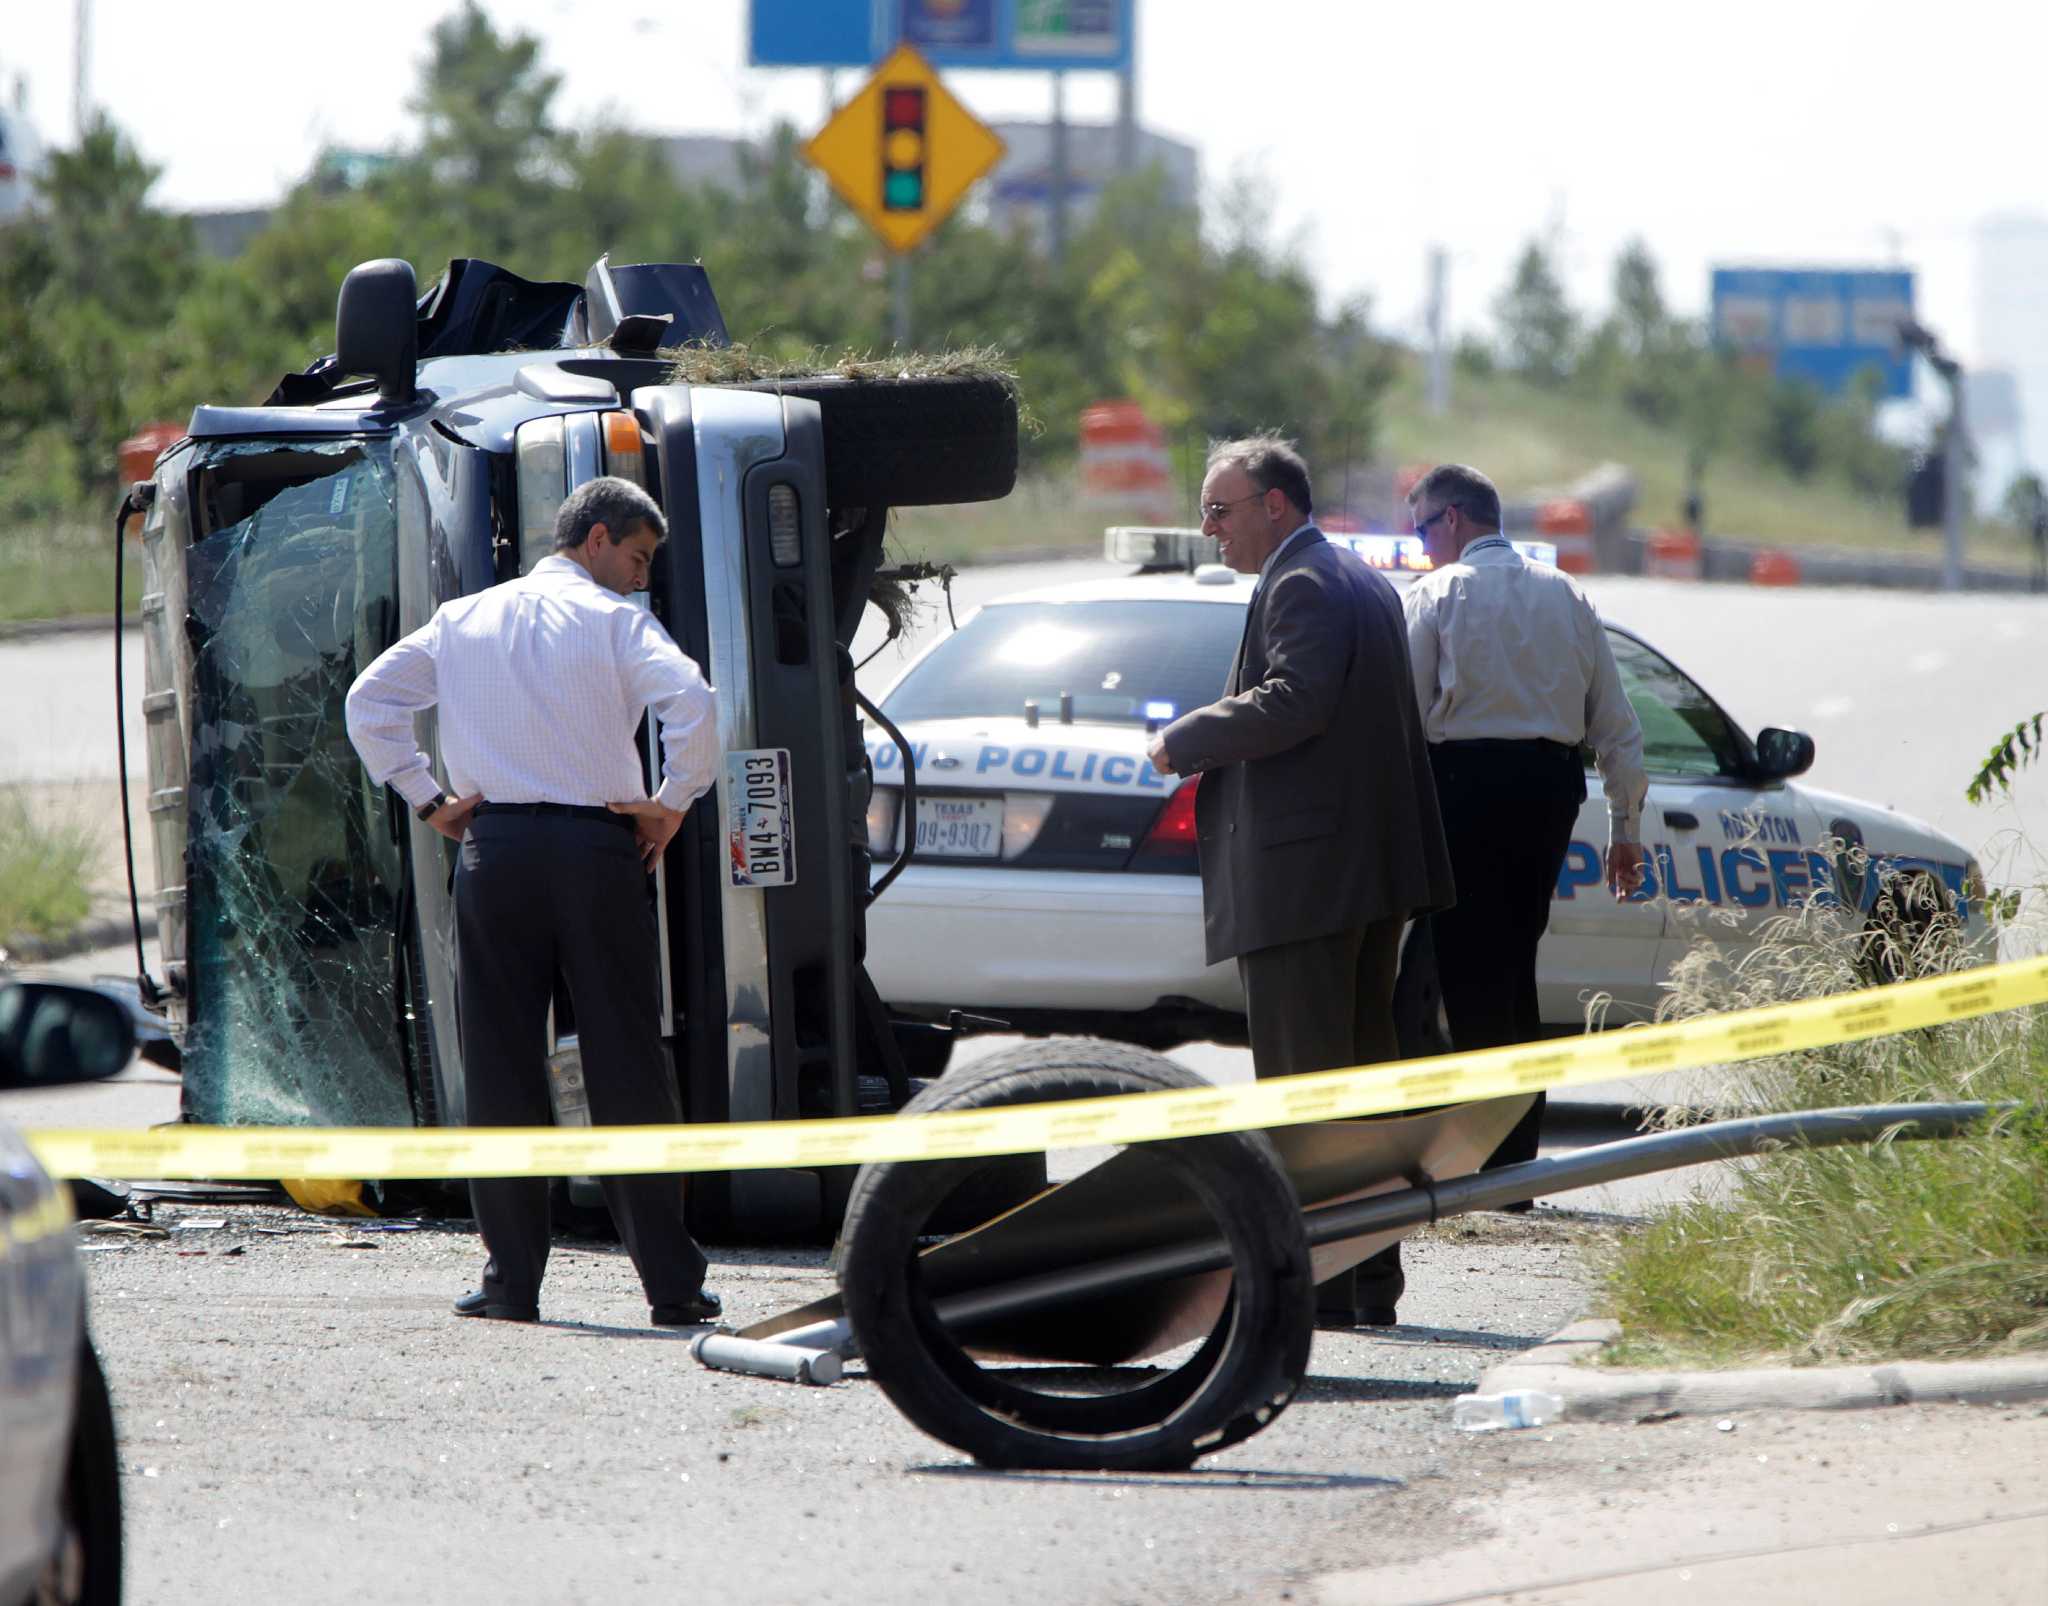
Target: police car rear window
1121 662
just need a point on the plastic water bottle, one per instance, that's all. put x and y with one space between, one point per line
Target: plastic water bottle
1518 1408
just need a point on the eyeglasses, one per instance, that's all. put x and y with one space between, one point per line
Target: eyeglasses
1422 525
1221 510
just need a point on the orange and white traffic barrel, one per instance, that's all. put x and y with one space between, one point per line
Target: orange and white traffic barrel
1124 461
1567 524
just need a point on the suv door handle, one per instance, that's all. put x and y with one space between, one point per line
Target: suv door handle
1680 820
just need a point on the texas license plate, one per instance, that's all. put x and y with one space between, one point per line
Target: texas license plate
960 827
759 830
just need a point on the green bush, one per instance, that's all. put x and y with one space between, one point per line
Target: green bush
43 869
1862 1252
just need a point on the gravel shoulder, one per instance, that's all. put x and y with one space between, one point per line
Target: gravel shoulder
302 1418
299 1409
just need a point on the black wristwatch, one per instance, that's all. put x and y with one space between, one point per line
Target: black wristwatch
426 811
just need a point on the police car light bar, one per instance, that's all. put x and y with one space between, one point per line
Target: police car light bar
1405 554
1402 553
1158 546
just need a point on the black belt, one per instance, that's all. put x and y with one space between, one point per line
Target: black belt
1509 744
572 811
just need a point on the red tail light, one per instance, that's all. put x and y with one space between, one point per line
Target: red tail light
1170 844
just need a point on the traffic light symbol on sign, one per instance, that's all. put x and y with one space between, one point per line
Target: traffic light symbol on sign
903 148
903 152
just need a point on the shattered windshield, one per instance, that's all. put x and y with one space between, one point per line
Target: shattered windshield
1120 661
295 870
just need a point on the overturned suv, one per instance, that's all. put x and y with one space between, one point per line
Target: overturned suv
305 917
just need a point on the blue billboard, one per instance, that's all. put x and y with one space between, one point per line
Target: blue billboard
1823 325
1039 34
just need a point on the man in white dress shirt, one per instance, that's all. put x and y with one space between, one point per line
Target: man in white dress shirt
540 685
1514 675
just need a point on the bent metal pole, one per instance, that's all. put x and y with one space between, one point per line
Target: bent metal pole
1487 1190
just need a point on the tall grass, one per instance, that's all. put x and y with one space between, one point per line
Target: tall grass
45 864
62 570
1888 1250
1045 515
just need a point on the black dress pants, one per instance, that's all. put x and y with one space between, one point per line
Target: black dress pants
537 895
1508 810
1320 1005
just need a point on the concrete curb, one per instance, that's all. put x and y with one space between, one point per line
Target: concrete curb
106 931
1561 1366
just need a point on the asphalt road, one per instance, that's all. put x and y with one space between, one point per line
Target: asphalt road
303 1420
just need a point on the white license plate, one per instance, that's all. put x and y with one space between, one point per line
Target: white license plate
960 827
759 829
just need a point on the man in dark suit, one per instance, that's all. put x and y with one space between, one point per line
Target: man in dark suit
1317 818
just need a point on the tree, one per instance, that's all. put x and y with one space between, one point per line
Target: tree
1539 330
2026 500
87 284
1639 309
490 160
1789 427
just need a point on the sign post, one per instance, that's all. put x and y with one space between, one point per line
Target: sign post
903 153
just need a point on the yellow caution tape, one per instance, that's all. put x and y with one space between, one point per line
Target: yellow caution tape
394 1153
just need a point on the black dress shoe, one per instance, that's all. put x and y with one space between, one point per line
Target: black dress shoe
1362 1316
705 1309
478 1303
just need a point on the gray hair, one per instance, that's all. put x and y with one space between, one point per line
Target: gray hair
1270 463
1466 489
608 500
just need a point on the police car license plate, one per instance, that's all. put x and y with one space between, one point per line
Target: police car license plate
960 827
759 830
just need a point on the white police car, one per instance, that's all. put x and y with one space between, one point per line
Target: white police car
1054 883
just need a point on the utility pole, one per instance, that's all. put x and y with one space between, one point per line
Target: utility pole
1955 451
1127 113
1439 355
1056 233
81 67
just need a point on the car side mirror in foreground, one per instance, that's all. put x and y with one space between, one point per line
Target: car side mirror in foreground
1781 754
52 1033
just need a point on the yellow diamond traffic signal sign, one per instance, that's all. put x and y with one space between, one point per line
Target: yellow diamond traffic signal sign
903 151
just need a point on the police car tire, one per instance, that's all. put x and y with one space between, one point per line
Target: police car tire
1899 938
1242 1376
92 1490
922 440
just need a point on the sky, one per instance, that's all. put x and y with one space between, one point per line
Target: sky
1799 133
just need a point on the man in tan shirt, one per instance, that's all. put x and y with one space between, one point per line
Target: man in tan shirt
1514 676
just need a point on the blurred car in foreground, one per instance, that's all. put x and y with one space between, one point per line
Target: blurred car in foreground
60 1492
1054 883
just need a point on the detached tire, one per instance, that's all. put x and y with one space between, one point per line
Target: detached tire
87 1569
1239 1379
920 441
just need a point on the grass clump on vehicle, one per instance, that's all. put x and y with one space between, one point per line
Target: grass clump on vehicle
43 869
1928 1249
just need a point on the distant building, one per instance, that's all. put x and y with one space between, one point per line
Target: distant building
21 158
1020 190
2012 333
227 234
706 159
